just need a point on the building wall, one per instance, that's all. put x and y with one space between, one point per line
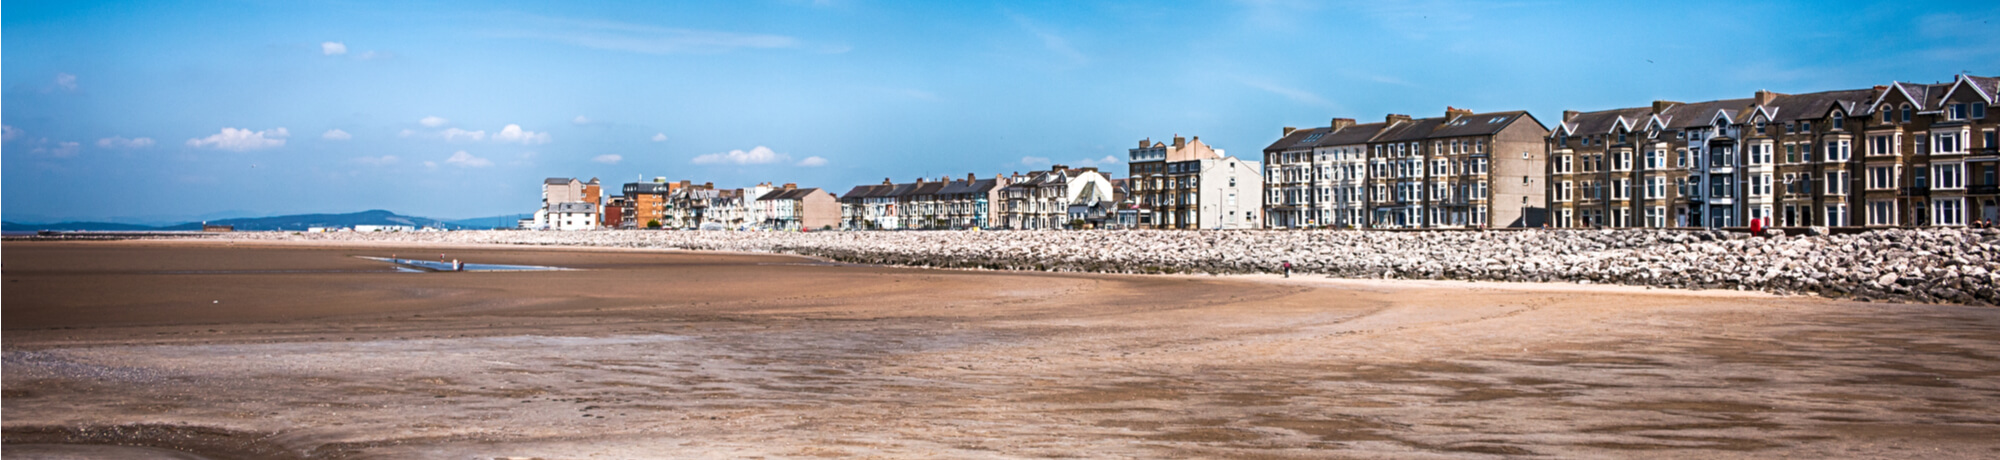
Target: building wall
1517 191
819 210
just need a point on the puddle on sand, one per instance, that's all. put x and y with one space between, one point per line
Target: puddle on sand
424 266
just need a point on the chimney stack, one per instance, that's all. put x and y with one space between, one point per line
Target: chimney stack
1144 142
1342 123
1662 106
1288 131
1395 118
708 185
1765 97
969 177
1452 113
1568 114
885 181
1179 141
1058 168
791 186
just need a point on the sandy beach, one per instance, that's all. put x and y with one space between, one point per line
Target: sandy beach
202 349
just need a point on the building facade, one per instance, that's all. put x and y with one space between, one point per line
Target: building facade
1041 199
1461 170
1888 156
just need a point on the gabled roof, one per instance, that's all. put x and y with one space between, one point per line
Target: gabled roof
1703 113
1813 106
1604 121
1973 84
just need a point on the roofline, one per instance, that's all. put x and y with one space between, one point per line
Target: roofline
1898 86
1962 80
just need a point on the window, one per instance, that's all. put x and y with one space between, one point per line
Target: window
1881 213
1955 111
1989 140
1656 217
1878 145
1906 113
1838 121
1656 187
1948 211
1836 215
1978 110
1762 187
1880 178
1949 175
1656 159
1621 189
1563 192
1886 114
1563 164
1805 126
1791 153
1836 182
1791 128
1681 158
1721 158
1760 126
1624 162
1947 142
1720 187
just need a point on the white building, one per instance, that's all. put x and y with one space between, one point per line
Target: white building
570 216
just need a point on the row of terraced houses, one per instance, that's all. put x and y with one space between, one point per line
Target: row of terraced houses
1901 154
1895 155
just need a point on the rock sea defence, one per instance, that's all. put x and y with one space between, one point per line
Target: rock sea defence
1924 265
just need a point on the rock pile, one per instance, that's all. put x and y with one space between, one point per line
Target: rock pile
1928 265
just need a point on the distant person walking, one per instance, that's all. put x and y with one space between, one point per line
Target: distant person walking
1288 269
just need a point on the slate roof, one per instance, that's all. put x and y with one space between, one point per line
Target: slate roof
1357 134
973 186
1812 106
1694 114
557 181
793 194
1292 140
1478 124
1417 129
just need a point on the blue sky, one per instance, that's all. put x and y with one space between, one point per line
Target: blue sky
171 110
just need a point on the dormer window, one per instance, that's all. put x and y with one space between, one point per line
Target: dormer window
1838 122
1886 114
1621 136
1760 126
1906 113
1955 112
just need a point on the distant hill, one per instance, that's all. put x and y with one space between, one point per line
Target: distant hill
293 222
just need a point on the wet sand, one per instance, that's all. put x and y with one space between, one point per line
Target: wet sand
275 350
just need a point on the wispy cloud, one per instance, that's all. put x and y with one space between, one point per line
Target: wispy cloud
66 81
659 137
609 158
433 121
581 120
120 142
332 48
1294 94
642 38
812 161
1050 40
378 161
9 133
1108 160
336 135
1036 161
467 160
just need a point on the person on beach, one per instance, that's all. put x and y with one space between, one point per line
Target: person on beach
1288 269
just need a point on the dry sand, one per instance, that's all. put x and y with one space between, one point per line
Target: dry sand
304 351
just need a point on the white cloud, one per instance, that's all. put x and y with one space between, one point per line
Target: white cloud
455 135
610 159
8 133
1031 161
433 121
333 48
812 161
242 139
466 160
1108 160
62 150
378 161
756 156
513 133
120 142
336 135
581 120
407 133
657 137
431 164
66 81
